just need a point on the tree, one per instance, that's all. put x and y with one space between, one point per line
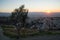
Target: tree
19 18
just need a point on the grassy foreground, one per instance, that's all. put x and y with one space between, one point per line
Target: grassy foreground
10 31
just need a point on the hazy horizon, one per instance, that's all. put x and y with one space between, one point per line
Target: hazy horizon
35 14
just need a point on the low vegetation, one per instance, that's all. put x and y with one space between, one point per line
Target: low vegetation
11 32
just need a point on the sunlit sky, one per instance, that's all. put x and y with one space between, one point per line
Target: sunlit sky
32 5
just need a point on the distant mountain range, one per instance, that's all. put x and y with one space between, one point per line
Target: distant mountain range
43 14
2 14
34 14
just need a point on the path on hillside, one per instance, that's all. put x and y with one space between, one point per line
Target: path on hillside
49 37
2 37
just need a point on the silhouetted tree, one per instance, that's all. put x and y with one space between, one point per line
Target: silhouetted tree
19 18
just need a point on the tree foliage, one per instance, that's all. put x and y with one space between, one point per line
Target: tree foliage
18 18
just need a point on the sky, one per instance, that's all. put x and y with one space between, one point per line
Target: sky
31 5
